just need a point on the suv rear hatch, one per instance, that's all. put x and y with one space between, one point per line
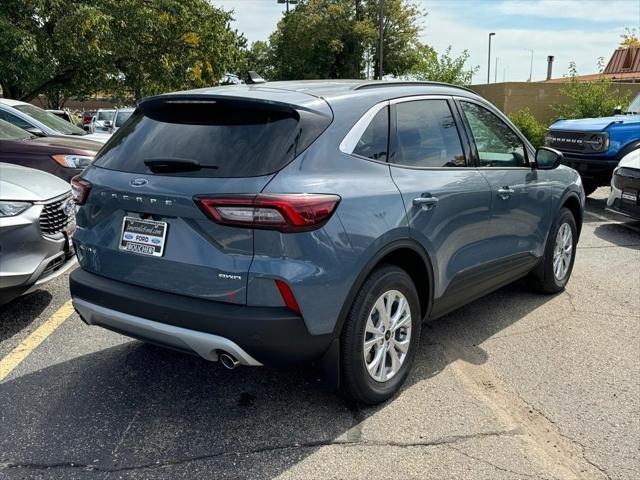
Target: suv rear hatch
140 223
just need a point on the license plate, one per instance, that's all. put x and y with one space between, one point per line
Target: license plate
628 196
145 237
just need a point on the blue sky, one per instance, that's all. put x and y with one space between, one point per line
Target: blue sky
571 30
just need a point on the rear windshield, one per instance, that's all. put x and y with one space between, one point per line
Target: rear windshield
226 138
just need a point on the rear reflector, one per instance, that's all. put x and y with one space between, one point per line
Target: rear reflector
80 190
288 297
282 212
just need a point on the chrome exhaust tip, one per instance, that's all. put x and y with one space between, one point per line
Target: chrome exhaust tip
229 361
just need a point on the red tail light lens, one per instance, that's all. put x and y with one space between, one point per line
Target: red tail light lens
288 297
283 212
80 190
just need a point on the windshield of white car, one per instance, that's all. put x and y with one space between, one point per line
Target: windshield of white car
122 116
50 120
105 115
634 106
9 131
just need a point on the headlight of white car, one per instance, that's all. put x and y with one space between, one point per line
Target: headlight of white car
11 209
73 161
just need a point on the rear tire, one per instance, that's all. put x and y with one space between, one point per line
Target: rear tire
378 341
556 266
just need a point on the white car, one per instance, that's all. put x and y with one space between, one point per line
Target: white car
39 122
102 121
625 186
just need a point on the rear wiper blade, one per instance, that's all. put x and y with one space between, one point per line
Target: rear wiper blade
170 165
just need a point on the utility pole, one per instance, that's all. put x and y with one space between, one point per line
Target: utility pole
381 40
489 59
287 2
531 65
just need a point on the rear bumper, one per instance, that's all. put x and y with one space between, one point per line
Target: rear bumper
254 335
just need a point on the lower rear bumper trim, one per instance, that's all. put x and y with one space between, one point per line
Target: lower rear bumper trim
204 344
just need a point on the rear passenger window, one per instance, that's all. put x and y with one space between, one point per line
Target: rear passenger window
374 140
426 135
17 121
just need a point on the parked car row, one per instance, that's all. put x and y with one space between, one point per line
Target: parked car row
109 120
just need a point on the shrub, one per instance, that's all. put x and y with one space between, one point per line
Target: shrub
590 99
529 126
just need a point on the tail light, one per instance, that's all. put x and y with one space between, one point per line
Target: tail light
287 213
80 190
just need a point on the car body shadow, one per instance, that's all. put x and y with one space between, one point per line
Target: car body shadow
137 407
20 312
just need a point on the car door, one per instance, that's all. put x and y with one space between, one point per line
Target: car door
521 201
447 201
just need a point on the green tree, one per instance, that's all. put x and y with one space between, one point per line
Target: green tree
321 39
629 39
443 68
130 47
401 28
52 45
590 99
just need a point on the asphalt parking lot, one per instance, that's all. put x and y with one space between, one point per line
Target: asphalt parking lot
512 386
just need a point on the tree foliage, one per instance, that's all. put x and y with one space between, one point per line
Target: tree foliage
131 47
590 99
444 68
629 39
321 39
531 128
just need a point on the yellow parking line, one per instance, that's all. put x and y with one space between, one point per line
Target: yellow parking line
29 344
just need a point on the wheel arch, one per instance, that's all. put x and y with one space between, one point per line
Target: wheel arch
628 148
572 202
407 254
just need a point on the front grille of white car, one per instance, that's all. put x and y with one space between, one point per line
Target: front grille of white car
56 215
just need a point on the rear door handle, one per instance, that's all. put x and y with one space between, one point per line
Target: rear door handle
505 192
426 201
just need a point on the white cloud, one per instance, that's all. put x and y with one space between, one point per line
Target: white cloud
597 11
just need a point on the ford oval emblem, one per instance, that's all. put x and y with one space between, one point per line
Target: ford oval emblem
138 182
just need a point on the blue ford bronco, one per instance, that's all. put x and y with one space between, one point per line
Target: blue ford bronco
594 146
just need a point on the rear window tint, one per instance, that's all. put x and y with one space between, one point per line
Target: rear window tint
227 138
374 140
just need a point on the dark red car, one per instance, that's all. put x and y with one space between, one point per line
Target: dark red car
64 157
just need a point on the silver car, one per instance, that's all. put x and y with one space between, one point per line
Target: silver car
37 219
624 197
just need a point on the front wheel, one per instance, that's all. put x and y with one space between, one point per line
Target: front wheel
380 336
560 252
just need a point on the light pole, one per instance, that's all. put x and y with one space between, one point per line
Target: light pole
489 59
287 2
381 40
495 75
531 65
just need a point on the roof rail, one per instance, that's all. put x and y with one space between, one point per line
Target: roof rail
405 83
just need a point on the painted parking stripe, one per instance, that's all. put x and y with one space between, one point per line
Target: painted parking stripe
29 344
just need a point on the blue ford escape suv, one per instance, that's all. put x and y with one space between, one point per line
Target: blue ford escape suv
315 221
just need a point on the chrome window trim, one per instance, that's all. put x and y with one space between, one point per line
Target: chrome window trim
350 140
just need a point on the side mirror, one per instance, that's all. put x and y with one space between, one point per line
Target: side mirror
35 131
617 110
547 158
